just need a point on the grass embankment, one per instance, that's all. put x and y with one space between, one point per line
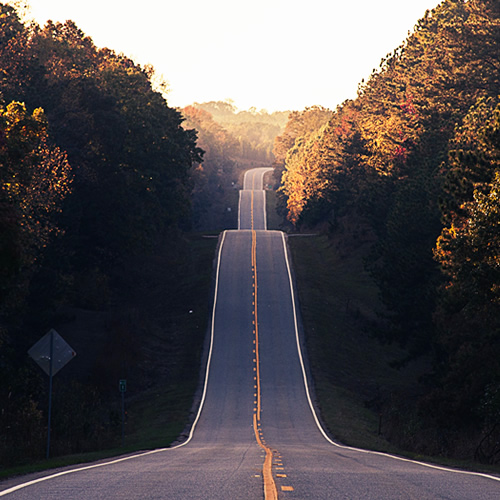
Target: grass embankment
151 334
172 327
274 221
350 368
145 322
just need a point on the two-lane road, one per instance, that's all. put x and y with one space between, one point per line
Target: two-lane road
252 204
256 435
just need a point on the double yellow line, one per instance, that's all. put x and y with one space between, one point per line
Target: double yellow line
270 491
256 326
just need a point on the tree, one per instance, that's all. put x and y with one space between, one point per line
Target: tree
213 177
35 178
413 157
468 250
65 230
130 155
254 130
293 166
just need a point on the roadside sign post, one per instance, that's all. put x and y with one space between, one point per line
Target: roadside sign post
51 375
123 389
51 353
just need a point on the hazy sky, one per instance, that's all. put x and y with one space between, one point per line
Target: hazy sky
271 54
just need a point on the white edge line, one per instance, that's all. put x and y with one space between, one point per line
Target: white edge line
191 433
265 214
306 384
239 211
245 179
212 330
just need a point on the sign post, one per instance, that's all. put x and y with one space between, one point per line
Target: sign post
51 353
51 375
123 390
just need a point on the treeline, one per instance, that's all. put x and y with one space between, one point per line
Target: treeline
290 146
95 168
411 167
254 131
214 179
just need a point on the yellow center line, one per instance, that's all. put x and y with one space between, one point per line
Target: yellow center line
270 491
255 320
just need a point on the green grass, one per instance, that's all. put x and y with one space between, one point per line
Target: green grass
350 368
274 221
160 412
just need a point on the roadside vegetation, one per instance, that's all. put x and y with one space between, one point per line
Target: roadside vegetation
402 185
353 373
152 336
102 189
253 131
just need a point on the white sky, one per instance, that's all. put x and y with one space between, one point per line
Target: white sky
271 54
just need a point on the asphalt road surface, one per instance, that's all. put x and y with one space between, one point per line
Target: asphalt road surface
256 435
252 196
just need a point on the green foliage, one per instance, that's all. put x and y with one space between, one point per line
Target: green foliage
131 155
10 26
297 152
468 250
232 141
131 158
35 178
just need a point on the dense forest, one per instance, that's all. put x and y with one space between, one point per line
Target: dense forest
102 185
214 179
95 170
410 170
254 131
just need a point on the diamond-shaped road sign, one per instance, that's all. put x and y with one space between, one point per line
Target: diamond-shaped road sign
62 353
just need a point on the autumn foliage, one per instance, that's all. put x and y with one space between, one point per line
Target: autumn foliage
414 161
36 178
